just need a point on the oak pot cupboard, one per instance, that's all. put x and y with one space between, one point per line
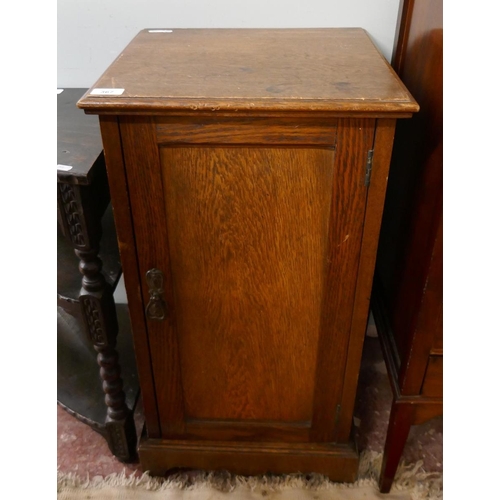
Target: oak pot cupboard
247 170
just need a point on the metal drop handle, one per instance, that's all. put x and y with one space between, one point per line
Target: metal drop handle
156 308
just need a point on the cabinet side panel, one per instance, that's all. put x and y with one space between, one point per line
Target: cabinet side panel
248 234
123 219
382 148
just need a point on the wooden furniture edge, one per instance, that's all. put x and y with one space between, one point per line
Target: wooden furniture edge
403 28
361 109
82 396
384 136
65 252
405 410
338 462
124 228
388 350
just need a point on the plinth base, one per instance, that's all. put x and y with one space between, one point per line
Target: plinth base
337 461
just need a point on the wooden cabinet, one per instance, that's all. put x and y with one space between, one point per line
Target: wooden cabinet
247 171
408 289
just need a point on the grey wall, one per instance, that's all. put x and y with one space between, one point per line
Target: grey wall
91 33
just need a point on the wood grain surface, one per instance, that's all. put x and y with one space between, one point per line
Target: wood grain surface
382 148
260 249
231 130
248 231
126 242
152 242
408 296
245 155
339 462
252 69
348 202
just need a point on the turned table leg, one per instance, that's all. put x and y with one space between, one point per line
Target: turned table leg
82 225
400 422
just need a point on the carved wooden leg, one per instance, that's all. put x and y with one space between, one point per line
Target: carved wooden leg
79 216
119 422
99 311
400 422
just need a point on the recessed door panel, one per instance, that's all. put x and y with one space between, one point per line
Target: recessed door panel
248 238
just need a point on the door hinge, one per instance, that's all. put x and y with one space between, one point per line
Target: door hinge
368 170
337 414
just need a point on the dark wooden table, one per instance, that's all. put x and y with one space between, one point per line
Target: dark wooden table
89 381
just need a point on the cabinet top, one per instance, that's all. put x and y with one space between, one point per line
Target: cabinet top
250 70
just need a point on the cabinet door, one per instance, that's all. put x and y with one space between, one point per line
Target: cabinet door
256 227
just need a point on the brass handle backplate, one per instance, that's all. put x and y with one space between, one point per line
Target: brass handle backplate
156 308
